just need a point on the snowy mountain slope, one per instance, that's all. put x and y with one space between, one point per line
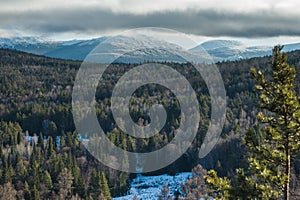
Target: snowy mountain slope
28 44
231 50
139 48
219 44
75 49
25 41
222 50
136 49
291 47
131 49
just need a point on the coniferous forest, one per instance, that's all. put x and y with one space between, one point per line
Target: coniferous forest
43 156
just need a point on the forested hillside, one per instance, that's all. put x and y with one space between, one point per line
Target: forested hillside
35 100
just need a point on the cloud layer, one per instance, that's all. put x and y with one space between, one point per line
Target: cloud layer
255 19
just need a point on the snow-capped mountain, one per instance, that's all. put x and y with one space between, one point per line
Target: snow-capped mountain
291 47
34 45
232 50
18 41
221 50
219 44
135 49
138 48
74 49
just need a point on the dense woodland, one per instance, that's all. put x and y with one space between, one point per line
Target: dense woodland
35 100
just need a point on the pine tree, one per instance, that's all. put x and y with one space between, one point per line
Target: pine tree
104 187
41 141
69 160
75 139
35 194
63 140
122 185
35 173
36 155
95 184
50 147
54 168
27 195
48 181
21 170
81 187
271 159
19 138
270 150
78 183
90 197
17 159
69 140
6 175
60 164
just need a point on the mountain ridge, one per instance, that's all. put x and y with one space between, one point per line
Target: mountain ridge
219 50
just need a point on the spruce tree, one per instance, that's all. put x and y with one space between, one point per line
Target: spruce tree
104 187
19 138
26 192
48 180
41 141
50 147
6 175
35 194
95 184
271 157
81 187
63 140
21 170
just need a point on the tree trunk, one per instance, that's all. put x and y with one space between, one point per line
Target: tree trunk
287 162
287 173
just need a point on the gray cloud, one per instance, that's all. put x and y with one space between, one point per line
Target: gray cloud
200 22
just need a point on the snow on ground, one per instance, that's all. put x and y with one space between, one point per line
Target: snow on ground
149 187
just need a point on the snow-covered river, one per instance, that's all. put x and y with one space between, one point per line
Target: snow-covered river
149 187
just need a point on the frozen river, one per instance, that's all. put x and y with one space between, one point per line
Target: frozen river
149 187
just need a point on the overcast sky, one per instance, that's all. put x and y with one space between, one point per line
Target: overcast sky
251 20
